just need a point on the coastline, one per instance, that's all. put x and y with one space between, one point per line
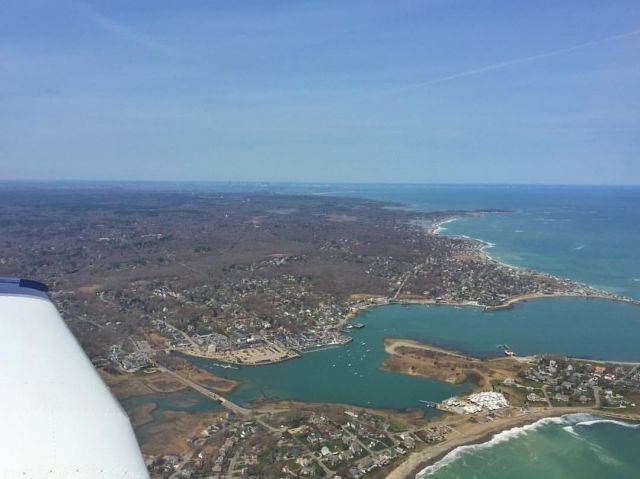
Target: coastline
511 302
391 344
507 304
378 300
293 355
471 434
420 460
436 229
479 433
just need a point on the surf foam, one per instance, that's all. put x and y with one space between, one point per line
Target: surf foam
569 422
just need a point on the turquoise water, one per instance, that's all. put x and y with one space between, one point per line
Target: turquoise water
347 374
574 446
590 234
594 246
589 328
350 374
586 233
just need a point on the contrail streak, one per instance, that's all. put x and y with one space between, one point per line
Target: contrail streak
517 61
120 30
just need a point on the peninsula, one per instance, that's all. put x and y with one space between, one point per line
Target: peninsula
248 279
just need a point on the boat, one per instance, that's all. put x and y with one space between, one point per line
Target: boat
225 366
506 350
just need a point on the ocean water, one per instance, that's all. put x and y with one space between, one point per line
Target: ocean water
590 234
351 374
573 446
587 233
571 326
348 374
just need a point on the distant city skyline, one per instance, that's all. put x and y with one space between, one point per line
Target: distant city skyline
439 91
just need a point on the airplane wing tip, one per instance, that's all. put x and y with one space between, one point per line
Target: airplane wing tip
23 287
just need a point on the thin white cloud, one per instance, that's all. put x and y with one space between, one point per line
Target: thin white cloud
516 61
121 31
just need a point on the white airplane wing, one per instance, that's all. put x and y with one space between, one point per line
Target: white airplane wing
57 418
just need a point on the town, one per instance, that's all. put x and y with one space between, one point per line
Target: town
562 381
331 443
148 279
226 268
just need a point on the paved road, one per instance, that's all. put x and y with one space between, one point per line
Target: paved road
546 395
84 320
181 333
596 395
407 275
207 392
232 462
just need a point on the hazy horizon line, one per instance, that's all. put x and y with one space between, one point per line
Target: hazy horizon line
303 182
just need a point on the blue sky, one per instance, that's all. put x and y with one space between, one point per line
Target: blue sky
435 91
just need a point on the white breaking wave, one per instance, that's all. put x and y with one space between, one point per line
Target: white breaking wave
571 431
498 438
602 455
629 425
569 421
488 245
441 228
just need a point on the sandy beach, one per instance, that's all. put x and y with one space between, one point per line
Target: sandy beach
269 354
473 433
526 297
